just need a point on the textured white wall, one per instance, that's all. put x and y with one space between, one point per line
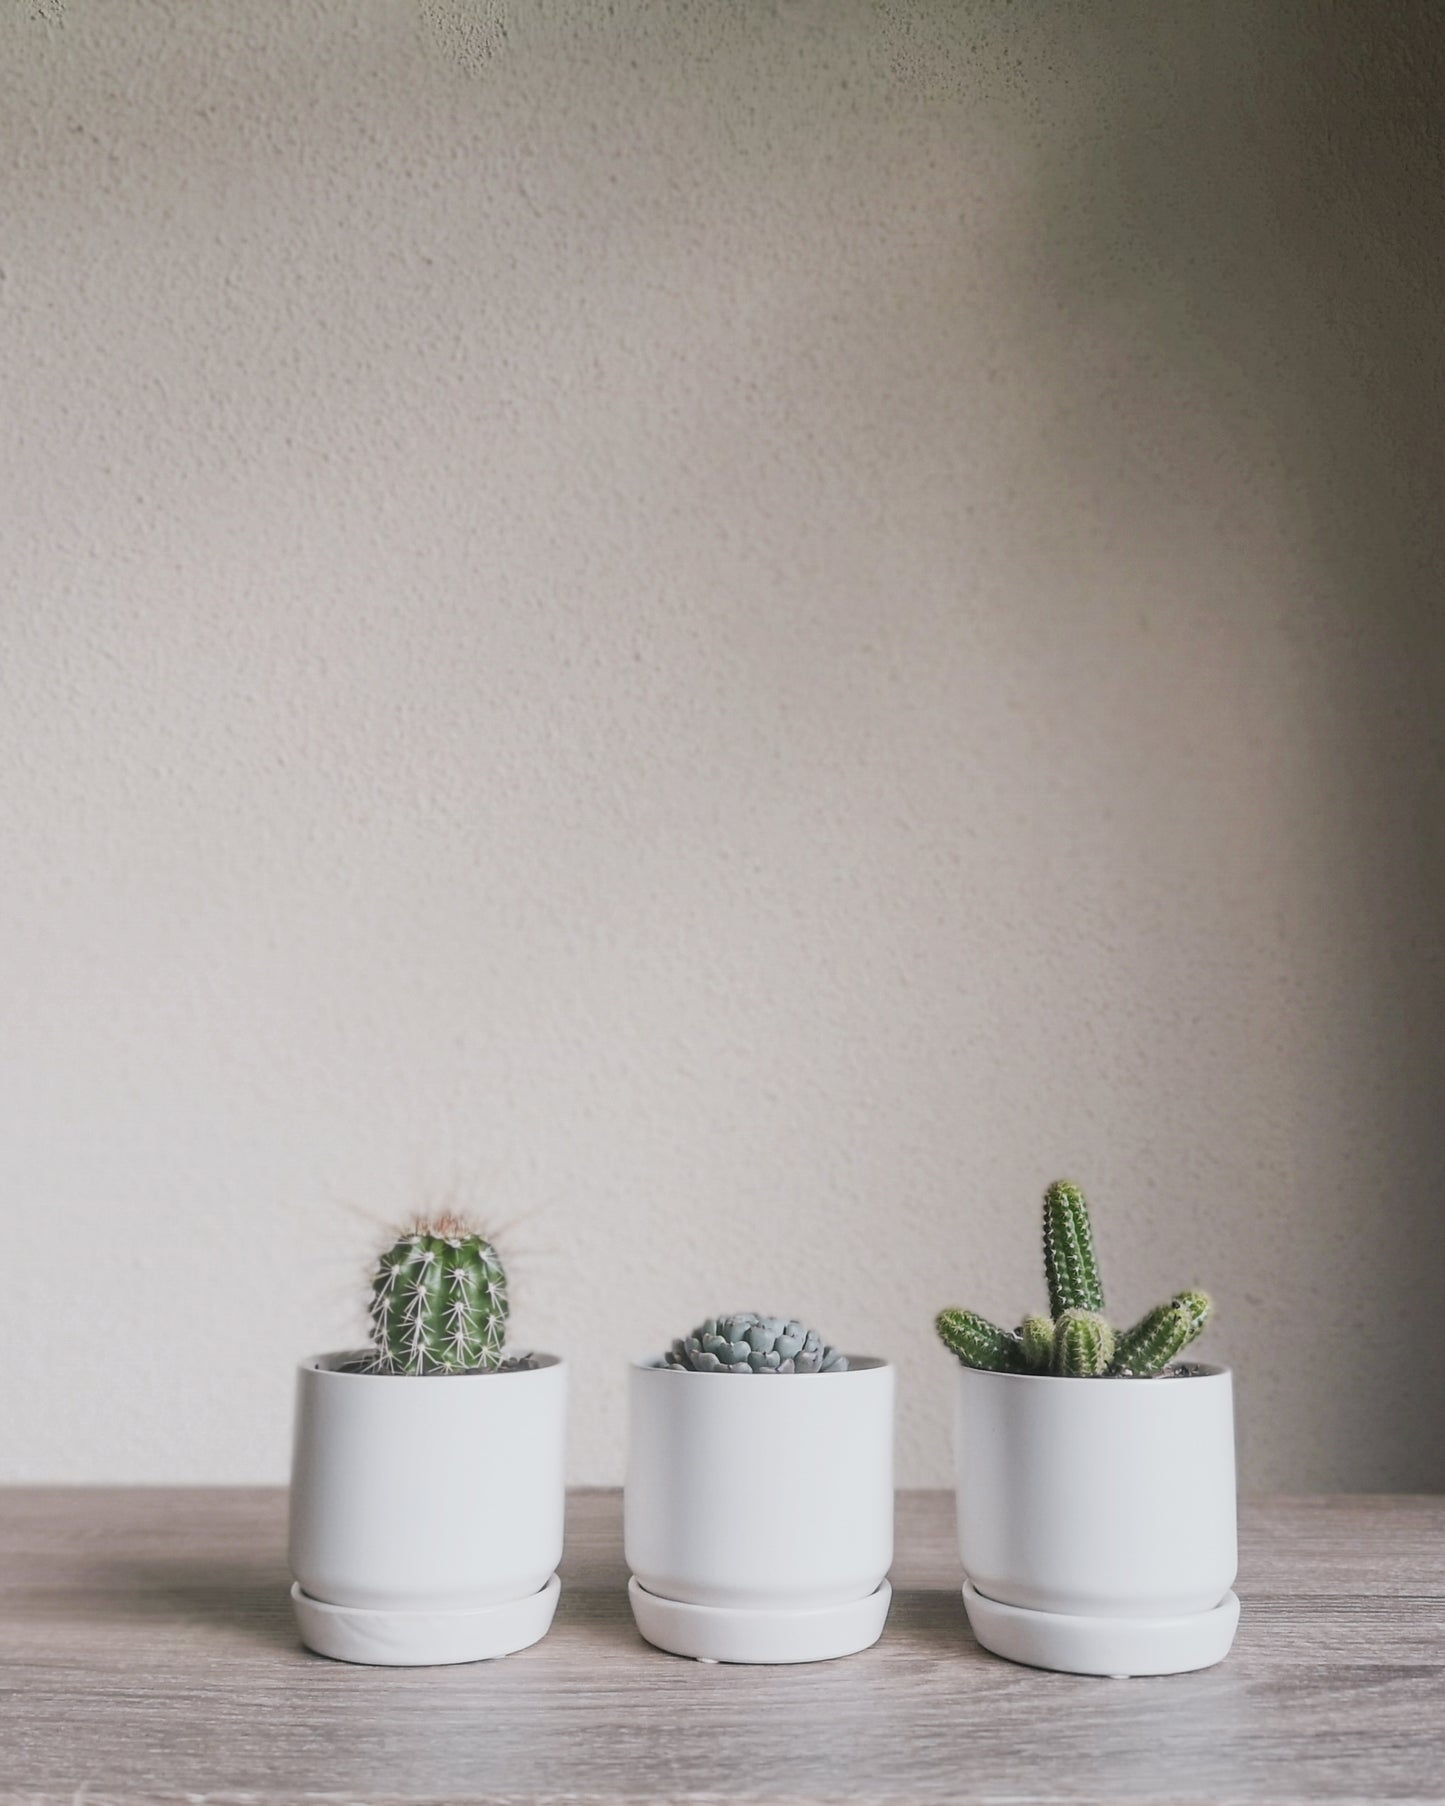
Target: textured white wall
738 631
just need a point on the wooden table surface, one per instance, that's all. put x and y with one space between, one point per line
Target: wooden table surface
147 1653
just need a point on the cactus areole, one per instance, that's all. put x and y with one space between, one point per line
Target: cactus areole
1074 1339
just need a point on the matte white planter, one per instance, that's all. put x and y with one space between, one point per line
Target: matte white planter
1096 1519
759 1510
426 1512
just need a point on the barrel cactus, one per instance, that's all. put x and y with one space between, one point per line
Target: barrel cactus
748 1343
439 1302
1075 1340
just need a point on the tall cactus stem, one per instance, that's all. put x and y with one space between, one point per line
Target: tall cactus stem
1070 1264
979 1343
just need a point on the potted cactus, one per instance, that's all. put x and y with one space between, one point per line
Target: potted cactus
427 1484
1095 1475
810 1440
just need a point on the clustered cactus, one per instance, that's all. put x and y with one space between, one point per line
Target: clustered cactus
439 1302
1075 1340
748 1343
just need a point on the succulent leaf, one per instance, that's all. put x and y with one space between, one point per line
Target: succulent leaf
979 1343
1083 1345
439 1303
1070 1264
746 1342
1159 1337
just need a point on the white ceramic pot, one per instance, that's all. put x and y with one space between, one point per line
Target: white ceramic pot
426 1512
759 1510
1098 1503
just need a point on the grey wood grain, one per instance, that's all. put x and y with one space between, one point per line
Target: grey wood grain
147 1654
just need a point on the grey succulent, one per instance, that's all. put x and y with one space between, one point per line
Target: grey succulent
748 1343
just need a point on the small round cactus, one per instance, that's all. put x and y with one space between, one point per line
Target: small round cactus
1036 1342
439 1302
748 1343
1083 1345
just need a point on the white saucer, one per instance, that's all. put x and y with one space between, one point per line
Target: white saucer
713 1633
424 1639
1113 1646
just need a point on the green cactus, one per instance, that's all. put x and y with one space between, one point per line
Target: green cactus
1036 1340
439 1302
748 1343
1070 1265
979 1343
1083 1345
1160 1336
1075 1340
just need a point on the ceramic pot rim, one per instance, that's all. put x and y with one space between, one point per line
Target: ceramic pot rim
857 1364
325 1367
1202 1370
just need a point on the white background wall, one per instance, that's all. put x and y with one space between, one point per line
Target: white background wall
738 632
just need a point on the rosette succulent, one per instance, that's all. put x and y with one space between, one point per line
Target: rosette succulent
1074 1338
748 1343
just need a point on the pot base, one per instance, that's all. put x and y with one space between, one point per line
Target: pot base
1114 1646
423 1639
713 1633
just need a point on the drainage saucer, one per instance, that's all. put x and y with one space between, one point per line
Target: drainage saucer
423 1639
714 1633
1113 1646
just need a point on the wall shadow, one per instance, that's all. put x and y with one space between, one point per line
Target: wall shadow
1249 203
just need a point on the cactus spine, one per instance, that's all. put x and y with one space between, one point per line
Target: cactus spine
979 1343
1075 1340
439 1302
